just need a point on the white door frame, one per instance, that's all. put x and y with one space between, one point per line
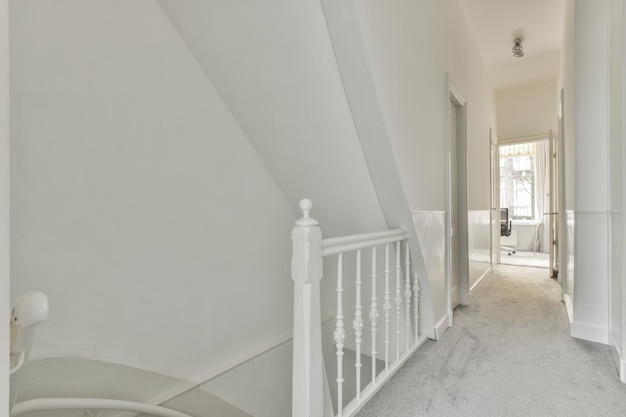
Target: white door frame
454 96
561 180
4 208
494 177
535 138
554 242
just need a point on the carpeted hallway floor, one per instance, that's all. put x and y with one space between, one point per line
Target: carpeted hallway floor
508 354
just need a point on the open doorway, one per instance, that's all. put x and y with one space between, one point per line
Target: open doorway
525 202
457 250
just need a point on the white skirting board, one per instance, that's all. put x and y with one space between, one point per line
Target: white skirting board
479 282
590 333
446 321
618 359
567 300
441 327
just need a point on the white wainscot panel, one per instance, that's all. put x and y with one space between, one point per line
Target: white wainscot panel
430 227
591 286
568 281
617 284
479 245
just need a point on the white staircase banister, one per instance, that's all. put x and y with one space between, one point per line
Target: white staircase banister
306 272
336 245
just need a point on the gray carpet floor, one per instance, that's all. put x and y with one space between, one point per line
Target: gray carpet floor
508 354
526 258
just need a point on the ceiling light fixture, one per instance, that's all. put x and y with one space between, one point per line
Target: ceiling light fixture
517 50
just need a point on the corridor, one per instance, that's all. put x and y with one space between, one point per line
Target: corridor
508 354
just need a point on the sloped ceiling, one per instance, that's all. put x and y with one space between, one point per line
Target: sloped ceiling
273 64
496 23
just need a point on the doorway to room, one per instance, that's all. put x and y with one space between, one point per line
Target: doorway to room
457 233
526 205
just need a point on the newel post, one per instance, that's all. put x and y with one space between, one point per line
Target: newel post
306 272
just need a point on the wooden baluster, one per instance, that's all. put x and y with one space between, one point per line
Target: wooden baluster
407 296
358 325
340 335
416 294
374 315
398 298
306 271
387 306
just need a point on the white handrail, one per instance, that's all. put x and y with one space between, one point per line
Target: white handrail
336 245
306 270
50 404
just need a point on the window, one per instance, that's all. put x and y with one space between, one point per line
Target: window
517 180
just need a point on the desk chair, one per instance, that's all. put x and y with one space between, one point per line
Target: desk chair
506 226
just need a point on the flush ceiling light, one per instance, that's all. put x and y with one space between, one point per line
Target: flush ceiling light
517 50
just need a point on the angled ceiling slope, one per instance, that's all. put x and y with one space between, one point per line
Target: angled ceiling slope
273 65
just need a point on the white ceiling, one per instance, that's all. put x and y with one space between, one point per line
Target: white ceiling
495 23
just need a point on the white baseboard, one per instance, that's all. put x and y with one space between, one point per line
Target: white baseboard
479 283
568 306
618 359
441 327
590 333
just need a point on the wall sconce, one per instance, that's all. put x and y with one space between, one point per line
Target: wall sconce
517 50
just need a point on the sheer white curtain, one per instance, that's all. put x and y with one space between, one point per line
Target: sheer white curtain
542 188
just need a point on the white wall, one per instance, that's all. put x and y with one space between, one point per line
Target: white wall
617 108
591 173
584 77
622 303
278 75
4 207
466 69
413 94
565 132
158 161
527 111
430 227
273 64
140 207
412 91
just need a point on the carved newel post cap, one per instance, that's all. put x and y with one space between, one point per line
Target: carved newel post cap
305 206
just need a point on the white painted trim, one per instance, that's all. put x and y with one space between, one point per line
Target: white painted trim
5 301
524 139
593 212
336 245
453 94
618 360
441 327
479 283
590 333
569 307
448 243
494 197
